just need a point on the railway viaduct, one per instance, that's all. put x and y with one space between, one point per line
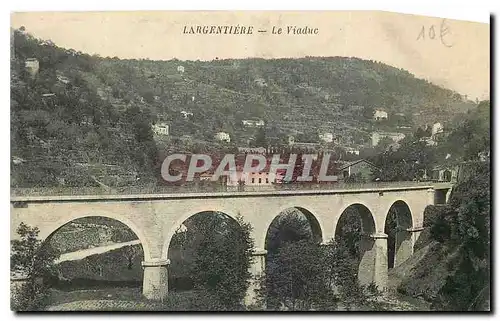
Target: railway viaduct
154 218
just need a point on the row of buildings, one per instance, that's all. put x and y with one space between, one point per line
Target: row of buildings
340 170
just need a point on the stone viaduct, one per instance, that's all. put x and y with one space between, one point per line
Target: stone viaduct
154 218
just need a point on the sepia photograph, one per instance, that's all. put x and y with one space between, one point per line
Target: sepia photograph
249 161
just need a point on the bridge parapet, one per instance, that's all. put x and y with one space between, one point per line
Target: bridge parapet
88 194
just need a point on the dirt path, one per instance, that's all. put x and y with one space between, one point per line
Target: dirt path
81 254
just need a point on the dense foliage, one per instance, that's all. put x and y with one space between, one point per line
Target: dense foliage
302 274
62 130
465 229
216 252
33 261
458 242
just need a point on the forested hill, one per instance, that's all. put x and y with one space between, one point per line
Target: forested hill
82 109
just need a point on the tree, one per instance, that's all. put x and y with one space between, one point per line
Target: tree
222 259
302 274
305 275
130 253
260 138
409 162
295 278
290 226
34 260
467 231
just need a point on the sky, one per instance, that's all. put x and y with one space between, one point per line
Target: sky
450 53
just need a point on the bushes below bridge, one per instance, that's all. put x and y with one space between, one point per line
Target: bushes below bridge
453 266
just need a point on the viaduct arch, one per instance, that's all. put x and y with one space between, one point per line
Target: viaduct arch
155 217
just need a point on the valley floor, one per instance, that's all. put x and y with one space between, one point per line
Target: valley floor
130 299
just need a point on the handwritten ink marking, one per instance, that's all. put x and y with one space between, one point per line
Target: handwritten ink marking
421 34
432 32
444 30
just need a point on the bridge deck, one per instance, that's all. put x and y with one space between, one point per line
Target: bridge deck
148 193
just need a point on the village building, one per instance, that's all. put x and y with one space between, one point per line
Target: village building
302 146
32 66
222 137
260 82
444 173
180 69
252 150
429 141
380 115
437 131
186 114
253 123
160 129
362 169
326 137
437 128
352 151
61 78
378 136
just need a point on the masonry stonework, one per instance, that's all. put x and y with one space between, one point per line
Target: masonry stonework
155 218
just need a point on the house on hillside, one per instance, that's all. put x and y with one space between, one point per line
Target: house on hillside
63 79
352 151
180 69
252 150
260 82
444 173
253 123
326 137
222 137
378 136
428 141
32 66
380 115
17 160
437 130
258 180
361 169
186 114
302 146
160 129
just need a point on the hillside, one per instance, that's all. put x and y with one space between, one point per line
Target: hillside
81 117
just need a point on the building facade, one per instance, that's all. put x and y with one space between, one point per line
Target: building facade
161 129
378 136
380 115
223 137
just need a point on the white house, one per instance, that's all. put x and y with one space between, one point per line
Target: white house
260 82
263 178
222 137
32 65
180 69
326 137
437 128
160 129
380 114
377 136
186 114
252 150
253 123
63 79
352 151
